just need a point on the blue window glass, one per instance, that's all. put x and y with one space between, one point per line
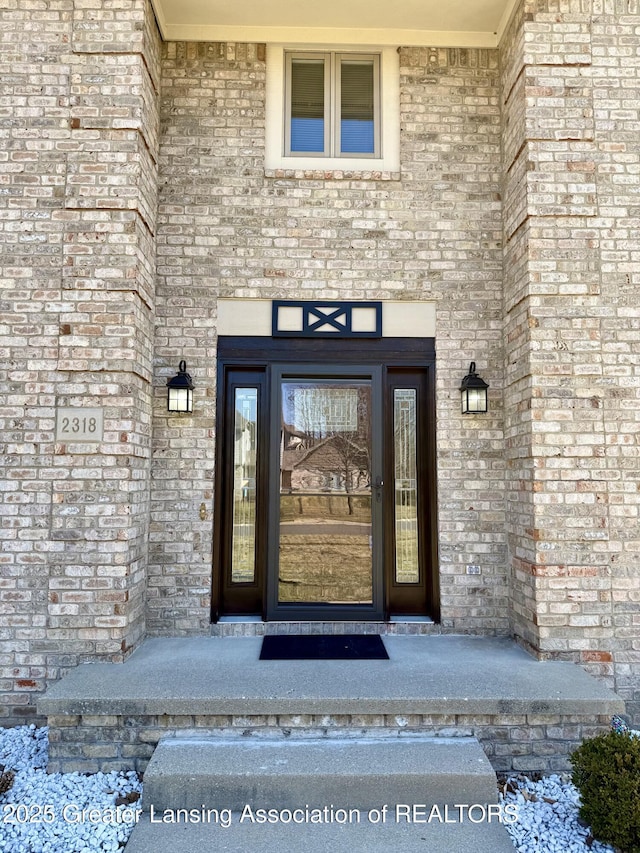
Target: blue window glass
307 105
307 134
357 107
357 137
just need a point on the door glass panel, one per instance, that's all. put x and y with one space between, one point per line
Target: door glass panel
245 437
406 485
325 530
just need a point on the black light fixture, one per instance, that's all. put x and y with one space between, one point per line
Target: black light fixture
180 391
474 393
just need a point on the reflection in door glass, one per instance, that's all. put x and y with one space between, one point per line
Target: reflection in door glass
406 485
243 550
325 492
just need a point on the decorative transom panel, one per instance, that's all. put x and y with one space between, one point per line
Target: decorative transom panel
327 319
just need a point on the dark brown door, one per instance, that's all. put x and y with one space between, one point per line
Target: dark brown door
325 505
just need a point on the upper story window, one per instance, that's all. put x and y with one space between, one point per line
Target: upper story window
332 109
332 105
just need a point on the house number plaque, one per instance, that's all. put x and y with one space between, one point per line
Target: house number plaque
79 424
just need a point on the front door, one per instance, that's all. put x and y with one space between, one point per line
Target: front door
325 504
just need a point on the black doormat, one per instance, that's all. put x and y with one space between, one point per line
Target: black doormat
323 647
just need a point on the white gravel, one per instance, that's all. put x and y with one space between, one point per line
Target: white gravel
50 813
548 817
44 813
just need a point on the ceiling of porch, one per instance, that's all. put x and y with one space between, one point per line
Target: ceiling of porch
433 23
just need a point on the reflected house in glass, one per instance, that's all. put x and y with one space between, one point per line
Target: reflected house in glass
327 447
335 464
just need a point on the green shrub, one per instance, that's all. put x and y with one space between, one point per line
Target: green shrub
606 771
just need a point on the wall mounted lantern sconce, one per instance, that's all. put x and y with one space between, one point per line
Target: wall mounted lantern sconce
180 391
474 393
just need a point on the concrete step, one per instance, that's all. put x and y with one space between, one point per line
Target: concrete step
364 837
344 773
415 794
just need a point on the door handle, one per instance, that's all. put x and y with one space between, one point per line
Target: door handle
379 483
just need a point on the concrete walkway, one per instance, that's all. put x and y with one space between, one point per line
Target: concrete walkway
424 675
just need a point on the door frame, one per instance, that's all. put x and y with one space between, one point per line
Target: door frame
256 356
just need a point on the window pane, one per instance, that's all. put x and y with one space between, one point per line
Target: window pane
406 485
325 553
357 108
243 551
307 105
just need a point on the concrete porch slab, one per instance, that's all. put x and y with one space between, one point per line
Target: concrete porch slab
424 675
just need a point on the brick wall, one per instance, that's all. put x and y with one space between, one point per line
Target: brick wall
529 743
571 78
77 229
228 228
518 167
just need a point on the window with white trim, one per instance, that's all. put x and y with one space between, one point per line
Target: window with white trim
333 108
332 104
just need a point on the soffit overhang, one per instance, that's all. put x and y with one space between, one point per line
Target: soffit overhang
431 23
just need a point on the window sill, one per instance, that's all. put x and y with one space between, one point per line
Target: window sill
332 174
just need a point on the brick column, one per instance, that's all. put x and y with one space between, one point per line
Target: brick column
571 152
517 336
79 214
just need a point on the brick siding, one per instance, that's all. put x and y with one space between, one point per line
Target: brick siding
133 194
